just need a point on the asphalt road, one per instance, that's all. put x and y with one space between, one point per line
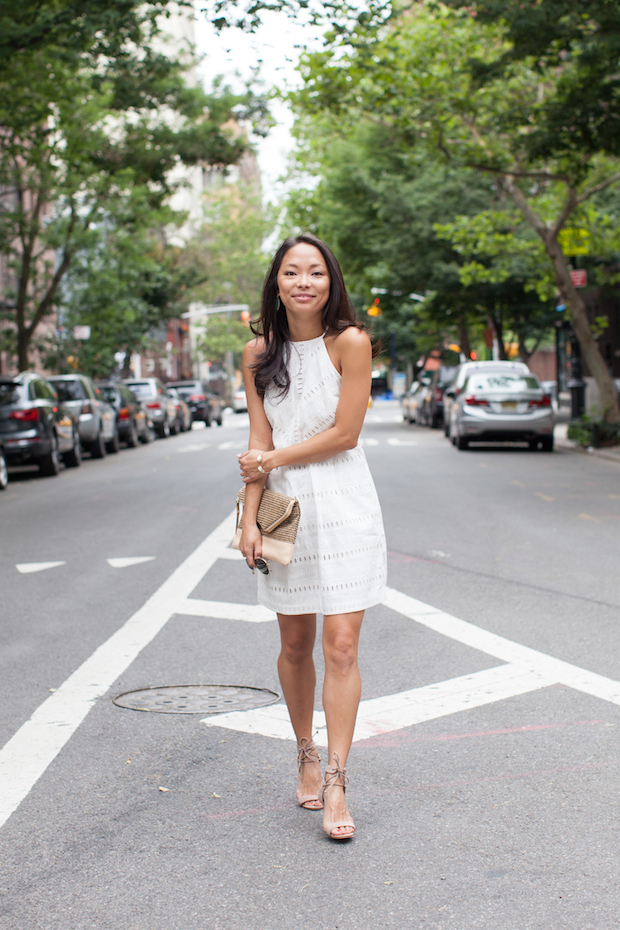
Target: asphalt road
486 797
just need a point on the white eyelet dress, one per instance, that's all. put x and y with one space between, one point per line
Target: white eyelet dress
339 560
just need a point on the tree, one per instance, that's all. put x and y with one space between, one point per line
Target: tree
378 203
80 129
444 77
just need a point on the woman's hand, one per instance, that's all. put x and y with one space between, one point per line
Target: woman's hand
251 544
248 464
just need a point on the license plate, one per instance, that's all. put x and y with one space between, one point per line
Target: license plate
509 405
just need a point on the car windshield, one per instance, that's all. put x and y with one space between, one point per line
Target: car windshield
68 390
108 393
9 392
504 383
141 389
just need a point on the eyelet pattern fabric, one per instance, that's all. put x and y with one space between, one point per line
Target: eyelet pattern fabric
339 561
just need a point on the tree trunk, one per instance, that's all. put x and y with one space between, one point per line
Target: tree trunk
589 348
499 332
464 337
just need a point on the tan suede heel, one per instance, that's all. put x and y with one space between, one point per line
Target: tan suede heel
307 752
336 775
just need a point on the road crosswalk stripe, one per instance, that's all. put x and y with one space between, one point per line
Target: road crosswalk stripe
222 610
396 711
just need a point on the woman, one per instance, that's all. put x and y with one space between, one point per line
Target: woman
307 379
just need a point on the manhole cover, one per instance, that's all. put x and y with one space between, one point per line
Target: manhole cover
196 699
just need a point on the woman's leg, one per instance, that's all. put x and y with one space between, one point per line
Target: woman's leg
341 697
298 680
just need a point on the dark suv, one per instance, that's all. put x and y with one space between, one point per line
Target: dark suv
203 403
132 423
35 428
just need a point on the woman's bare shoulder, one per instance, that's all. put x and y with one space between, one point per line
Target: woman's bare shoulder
254 348
352 338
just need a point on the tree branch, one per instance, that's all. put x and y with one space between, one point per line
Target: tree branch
520 199
599 187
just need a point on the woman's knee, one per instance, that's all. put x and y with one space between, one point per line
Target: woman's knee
340 651
297 641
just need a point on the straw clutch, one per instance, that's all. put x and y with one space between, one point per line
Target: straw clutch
278 519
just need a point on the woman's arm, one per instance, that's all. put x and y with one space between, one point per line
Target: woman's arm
261 440
353 353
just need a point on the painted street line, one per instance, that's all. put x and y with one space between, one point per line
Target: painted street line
396 711
554 670
125 563
232 445
233 554
222 610
195 447
393 441
37 743
28 568
368 442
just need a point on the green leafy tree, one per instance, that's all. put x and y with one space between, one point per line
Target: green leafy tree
451 80
79 130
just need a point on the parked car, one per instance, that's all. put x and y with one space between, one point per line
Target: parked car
132 422
204 404
96 419
160 407
184 414
462 372
240 401
4 472
502 406
35 427
431 413
413 399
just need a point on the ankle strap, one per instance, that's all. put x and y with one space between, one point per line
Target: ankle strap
307 751
335 775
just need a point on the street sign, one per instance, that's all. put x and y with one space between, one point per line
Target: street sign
574 241
579 277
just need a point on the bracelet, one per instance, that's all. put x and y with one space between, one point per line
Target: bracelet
259 459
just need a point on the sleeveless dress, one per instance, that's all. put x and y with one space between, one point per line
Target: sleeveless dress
339 562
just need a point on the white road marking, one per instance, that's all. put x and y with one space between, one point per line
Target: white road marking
222 610
393 441
232 445
554 670
27 568
233 554
37 743
396 711
125 563
194 447
364 441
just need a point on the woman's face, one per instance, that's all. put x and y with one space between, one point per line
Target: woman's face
303 281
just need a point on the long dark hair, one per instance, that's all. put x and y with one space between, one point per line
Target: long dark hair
272 325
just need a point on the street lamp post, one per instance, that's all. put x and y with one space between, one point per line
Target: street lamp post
196 311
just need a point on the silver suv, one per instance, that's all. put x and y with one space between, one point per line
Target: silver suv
97 420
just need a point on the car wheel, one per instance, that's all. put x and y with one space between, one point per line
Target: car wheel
73 459
4 473
97 448
220 420
547 444
49 465
132 439
435 421
114 445
164 430
462 443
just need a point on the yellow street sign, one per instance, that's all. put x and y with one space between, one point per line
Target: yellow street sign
574 240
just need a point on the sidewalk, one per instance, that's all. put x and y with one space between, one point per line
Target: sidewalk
561 442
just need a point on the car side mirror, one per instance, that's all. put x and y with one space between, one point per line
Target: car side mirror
450 393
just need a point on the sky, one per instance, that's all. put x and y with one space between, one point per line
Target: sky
276 45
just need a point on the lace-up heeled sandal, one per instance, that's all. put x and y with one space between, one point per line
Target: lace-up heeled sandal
307 752
336 775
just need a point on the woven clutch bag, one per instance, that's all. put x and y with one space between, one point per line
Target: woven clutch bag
277 518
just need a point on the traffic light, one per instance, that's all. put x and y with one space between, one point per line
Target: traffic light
375 310
245 317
